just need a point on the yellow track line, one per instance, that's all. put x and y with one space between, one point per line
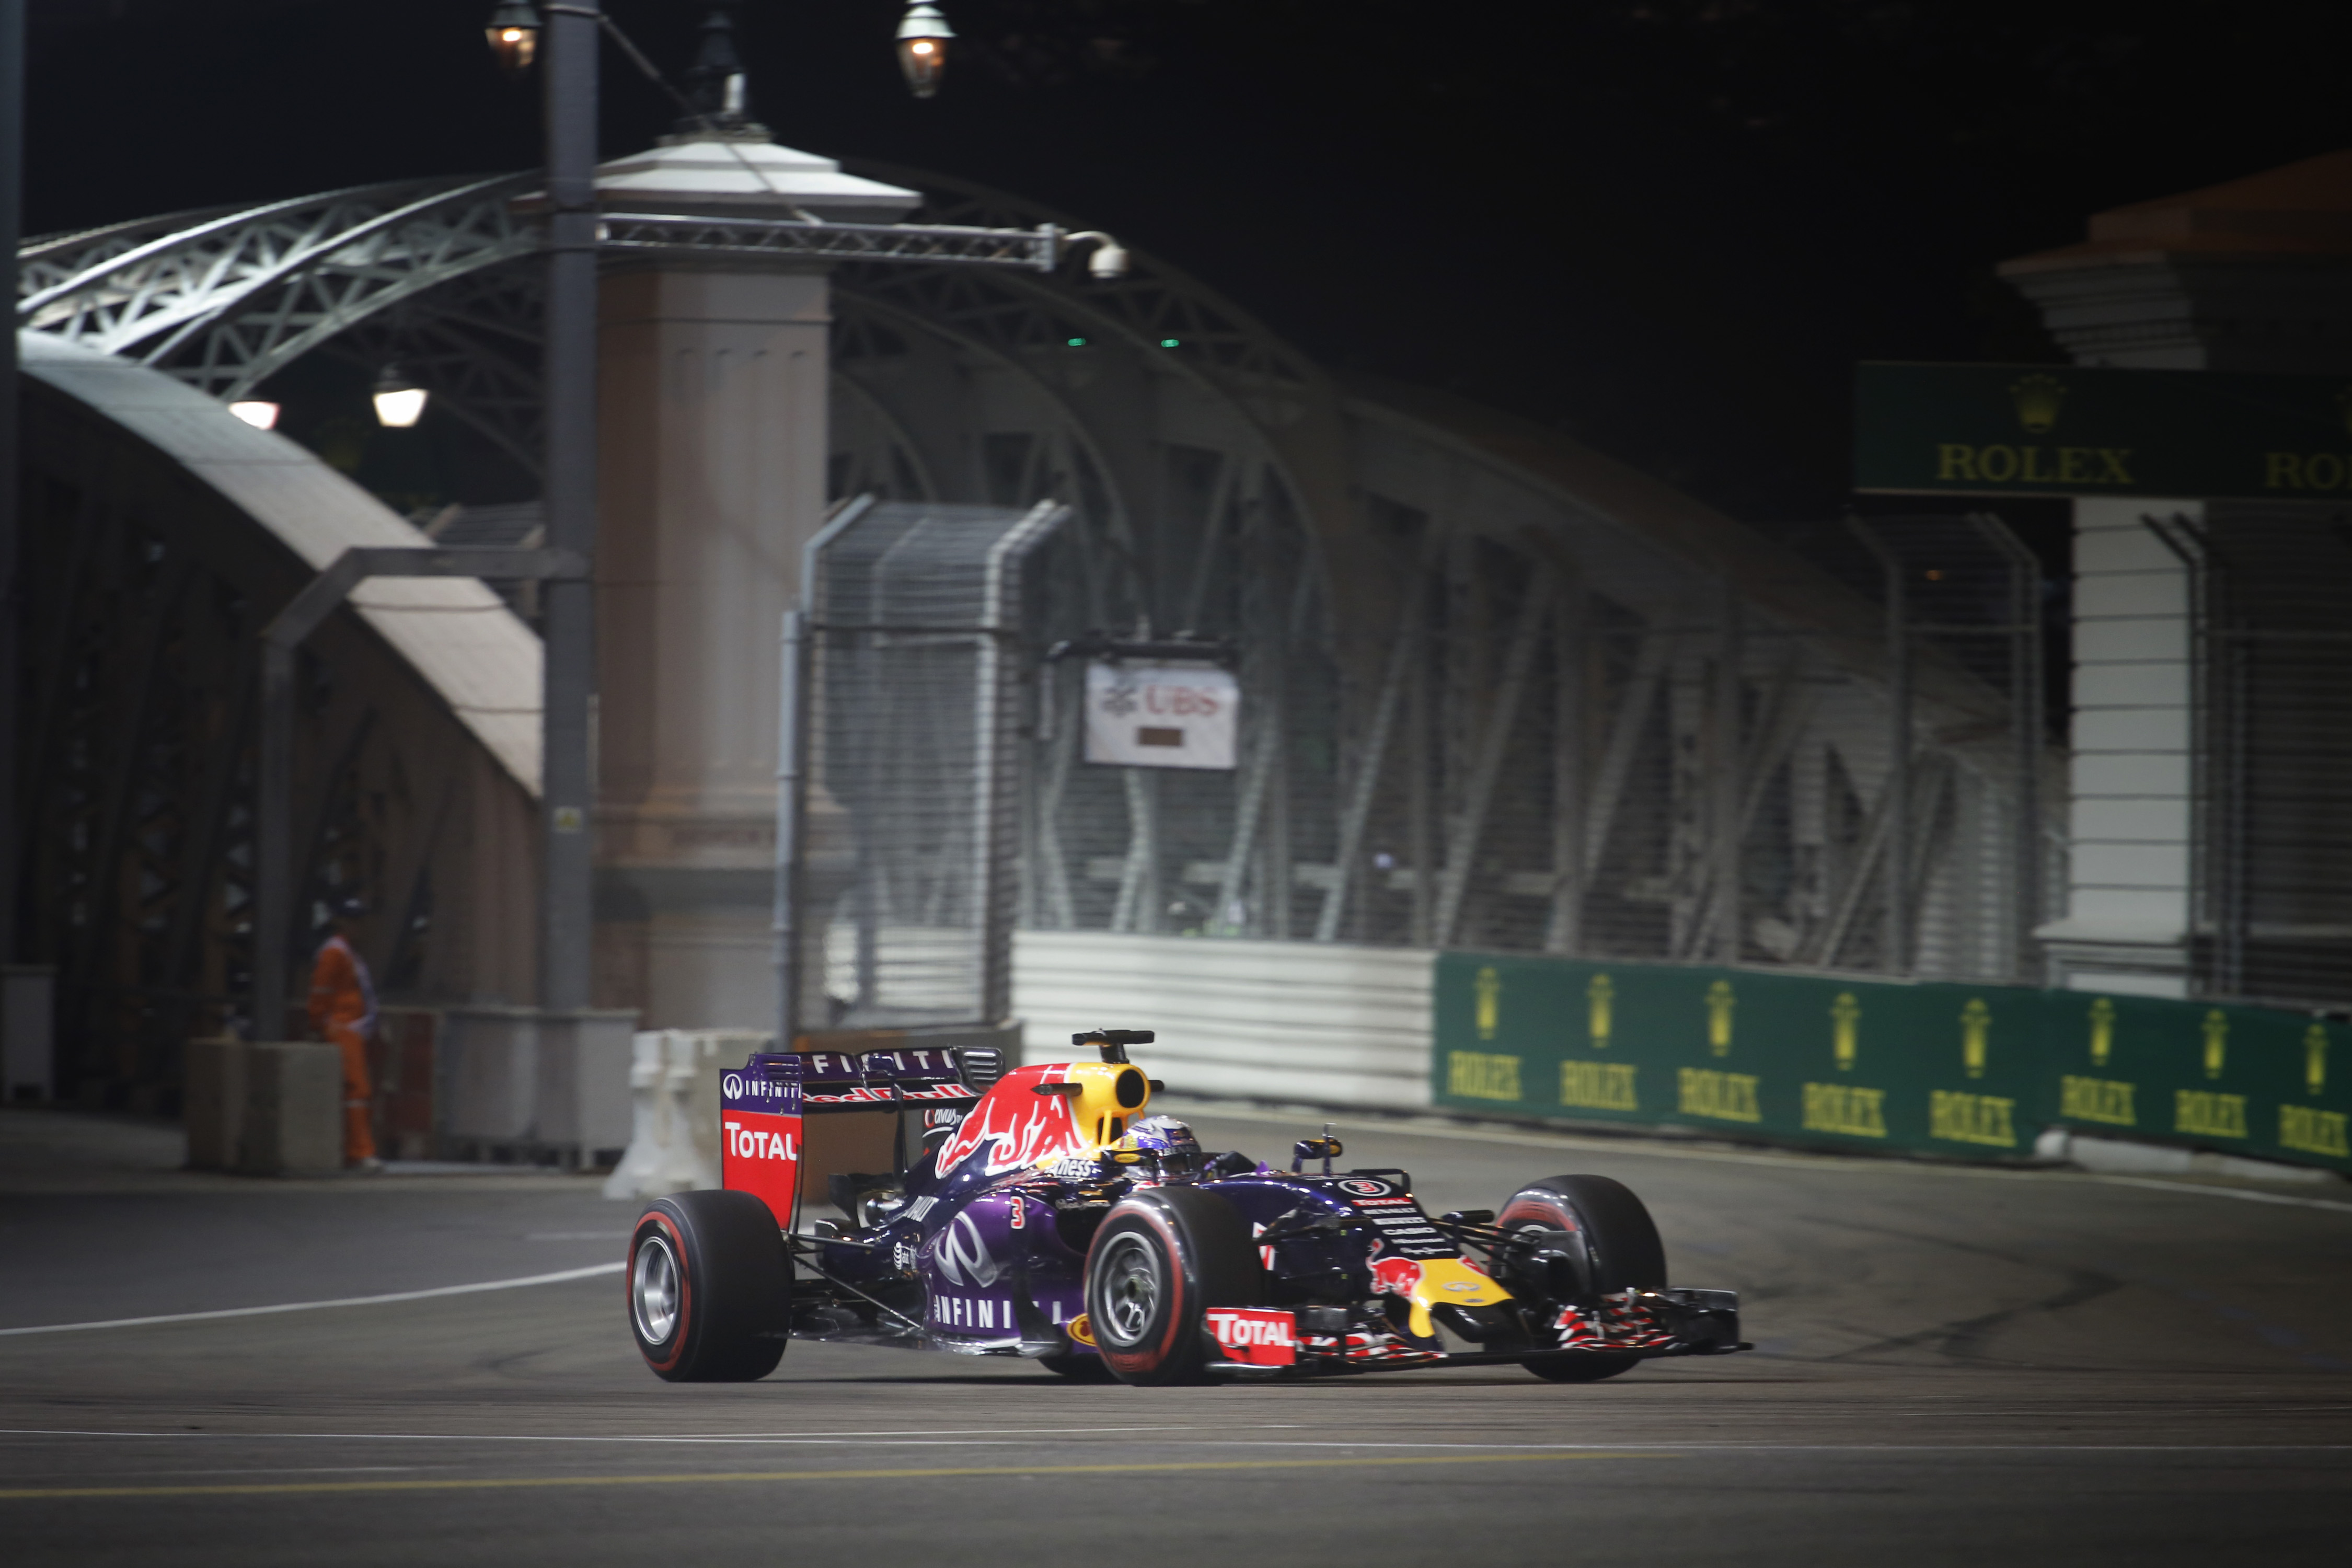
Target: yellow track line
513 1483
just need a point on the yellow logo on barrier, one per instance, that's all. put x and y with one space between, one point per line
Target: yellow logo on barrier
2096 1099
1718 1096
2209 1115
1603 996
2314 1059
1719 1003
1971 1119
1975 1019
1489 986
2217 1042
2312 1131
1842 1108
1482 1074
1597 1086
1845 1015
2103 1031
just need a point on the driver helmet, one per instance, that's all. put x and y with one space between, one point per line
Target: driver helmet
1171 1144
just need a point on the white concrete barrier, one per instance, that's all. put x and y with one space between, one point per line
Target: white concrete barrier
674 1108
1266 1020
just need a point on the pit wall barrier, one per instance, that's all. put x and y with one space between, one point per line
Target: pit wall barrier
1958 1071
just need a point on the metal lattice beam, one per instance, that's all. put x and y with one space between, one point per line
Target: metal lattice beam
225 302
1034 248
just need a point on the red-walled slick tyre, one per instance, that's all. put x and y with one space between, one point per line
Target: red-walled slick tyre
1620 1245
1161 1260
709 1287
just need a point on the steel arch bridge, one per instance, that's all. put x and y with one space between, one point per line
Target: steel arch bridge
1498 706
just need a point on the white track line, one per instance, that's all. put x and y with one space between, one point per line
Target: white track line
555 1279
1720 1448
2241 1193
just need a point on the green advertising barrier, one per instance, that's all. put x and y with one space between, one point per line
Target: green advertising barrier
2247 1080
1956 1070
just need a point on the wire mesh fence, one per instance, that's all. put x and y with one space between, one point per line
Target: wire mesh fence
913 693
2270 868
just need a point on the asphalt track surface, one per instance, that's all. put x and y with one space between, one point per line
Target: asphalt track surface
1953 1367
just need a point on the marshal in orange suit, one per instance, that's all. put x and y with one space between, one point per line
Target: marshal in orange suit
343 1012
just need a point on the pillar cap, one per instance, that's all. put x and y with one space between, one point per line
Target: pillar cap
738 177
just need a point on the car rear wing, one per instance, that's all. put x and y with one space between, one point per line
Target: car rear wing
768 1147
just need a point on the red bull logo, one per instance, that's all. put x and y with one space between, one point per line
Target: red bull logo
1395 1276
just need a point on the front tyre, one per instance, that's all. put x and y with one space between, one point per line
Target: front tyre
1611 1234
1162 1258
709 1287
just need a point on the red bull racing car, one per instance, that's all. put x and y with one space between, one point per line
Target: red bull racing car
1045 1213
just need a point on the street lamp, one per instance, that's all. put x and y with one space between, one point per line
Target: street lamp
923 36
261 415
399 401
513 32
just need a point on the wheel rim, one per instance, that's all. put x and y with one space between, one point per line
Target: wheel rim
1130 1282
652 1290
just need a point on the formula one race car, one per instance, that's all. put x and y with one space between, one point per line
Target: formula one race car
1047 1214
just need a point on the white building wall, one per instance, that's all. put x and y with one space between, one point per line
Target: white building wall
2127 917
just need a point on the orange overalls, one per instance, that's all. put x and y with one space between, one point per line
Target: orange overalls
343 1012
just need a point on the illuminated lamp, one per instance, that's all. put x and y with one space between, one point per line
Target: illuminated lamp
923 36
399 401
513 33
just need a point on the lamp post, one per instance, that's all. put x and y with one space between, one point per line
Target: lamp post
567 791
566 35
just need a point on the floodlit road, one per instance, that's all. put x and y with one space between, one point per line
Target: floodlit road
1954 1367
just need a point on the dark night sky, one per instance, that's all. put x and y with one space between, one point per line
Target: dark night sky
1668 227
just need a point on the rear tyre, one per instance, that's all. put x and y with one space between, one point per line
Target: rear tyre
1620 1249
1162 1258
709 1287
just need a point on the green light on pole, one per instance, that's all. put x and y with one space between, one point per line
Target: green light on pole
1171 343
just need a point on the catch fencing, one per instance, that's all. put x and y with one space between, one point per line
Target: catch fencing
1828 753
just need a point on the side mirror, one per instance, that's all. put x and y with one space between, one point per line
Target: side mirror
1325 1148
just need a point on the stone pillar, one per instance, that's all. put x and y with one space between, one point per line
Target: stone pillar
712 390
2254 275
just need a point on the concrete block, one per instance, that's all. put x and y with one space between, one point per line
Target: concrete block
2098 641
2098 820
294 1109
2103 596
2153 867
2131 730
28 1034
584 1079
2136 775
213 1103
2153 683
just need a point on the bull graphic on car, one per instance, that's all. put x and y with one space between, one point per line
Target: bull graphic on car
1045 1212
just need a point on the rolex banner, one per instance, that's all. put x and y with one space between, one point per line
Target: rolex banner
1954 1070
2057 430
